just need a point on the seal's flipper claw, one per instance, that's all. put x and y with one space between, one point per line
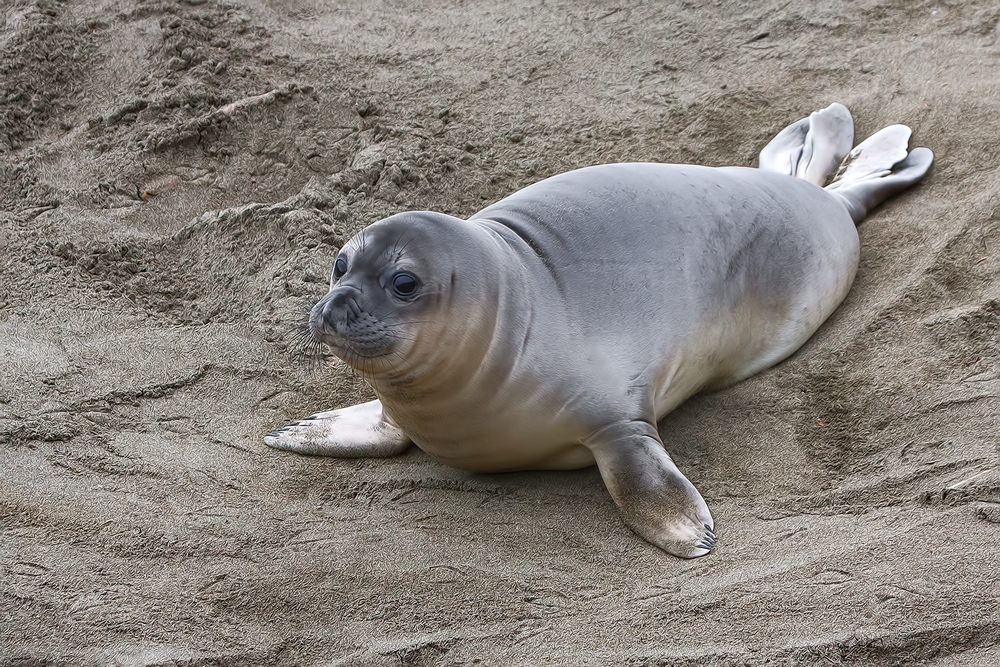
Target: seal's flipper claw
813 147
655 499
359 431
878 168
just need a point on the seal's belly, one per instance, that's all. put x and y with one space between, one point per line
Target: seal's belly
486 440
510 456
500 453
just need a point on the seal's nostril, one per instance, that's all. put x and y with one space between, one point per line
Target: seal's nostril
343 297
337 309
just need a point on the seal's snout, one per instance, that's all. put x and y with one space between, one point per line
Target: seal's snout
343 299
335 311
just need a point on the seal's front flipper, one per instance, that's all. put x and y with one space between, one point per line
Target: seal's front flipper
813 147
359 431
878 168
655 499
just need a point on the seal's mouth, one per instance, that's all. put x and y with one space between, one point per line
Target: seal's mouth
344 347
353 334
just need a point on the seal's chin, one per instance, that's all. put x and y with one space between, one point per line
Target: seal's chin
367 352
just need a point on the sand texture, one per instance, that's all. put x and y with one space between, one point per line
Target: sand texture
176 178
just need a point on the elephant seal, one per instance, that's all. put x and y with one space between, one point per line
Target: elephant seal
553 329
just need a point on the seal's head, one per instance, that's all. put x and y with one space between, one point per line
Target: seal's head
392 286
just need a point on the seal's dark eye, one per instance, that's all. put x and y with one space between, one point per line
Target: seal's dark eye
404 284
340 267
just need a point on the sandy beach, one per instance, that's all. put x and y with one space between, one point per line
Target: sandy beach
176 179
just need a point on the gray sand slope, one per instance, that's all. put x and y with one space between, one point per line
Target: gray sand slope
175 180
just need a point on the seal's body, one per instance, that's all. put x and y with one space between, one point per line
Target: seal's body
624 290
555 327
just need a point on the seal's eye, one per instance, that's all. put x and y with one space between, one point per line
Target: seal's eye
340 267
404 284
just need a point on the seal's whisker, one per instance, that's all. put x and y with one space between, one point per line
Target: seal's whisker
378 315
310 352
302 344
395 252
406 324
398 250
408 339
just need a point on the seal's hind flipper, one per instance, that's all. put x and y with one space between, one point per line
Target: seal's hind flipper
360 431
655 499
813 147
878 168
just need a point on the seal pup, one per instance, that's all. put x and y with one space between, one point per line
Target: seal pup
554 328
